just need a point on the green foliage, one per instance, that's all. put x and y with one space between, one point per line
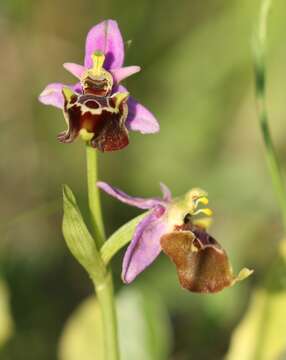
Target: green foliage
83 336
6 322
144 330
197 77
261 333
78 238
119 238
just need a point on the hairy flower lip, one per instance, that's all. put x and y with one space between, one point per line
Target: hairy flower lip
101 120
202 264
105 37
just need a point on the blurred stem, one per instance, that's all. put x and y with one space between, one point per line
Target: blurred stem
93 195
104 287
105 296
260 73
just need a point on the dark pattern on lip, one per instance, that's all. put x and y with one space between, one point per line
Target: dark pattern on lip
99 87
97 115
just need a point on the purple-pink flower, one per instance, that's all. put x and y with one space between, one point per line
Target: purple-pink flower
98 107
174 226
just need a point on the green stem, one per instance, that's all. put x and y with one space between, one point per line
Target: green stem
104 286
105 296
260 72
93 195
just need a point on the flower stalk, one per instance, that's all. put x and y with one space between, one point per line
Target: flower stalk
94 196
260 77
105 297
103 287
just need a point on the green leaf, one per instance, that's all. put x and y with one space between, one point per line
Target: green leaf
82 336
147 315
144 329
261 335
6 322
120 238
78 238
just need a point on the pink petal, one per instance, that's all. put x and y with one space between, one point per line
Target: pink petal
52 94
145 245
140 119
141 203
75 69
124 72
167 195
105 37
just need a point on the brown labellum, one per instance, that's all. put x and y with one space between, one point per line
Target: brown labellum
102 117
202 264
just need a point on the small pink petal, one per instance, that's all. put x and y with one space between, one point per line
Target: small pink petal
52 94
124 72
167 195
75 69
105 37
140 118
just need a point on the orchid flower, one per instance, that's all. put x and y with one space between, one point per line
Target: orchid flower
97 107
174 226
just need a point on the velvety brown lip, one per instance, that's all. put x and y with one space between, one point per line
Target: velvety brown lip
202 264
107 125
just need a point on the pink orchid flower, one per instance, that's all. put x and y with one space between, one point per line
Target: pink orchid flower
173 225
97 107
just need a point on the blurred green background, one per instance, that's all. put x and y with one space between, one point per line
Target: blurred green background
197 77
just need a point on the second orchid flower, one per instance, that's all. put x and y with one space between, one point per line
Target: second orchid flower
174 226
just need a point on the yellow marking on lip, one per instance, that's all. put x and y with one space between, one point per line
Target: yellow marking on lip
119 97
67 92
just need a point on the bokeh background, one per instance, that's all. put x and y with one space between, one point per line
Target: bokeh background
197 77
